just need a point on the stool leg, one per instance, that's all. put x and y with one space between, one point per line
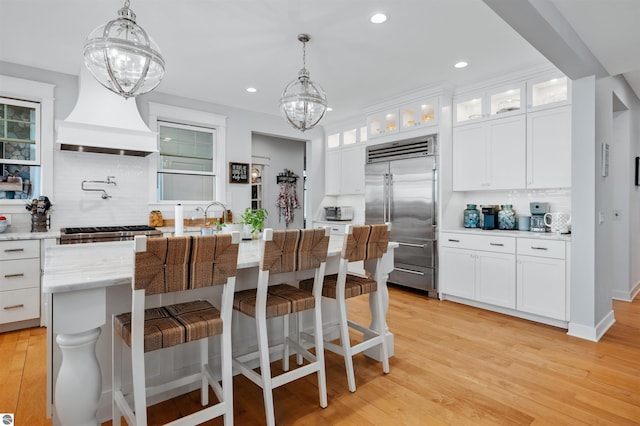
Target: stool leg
204 359
345 341
299 317
227 375
285 354
265 371
319 342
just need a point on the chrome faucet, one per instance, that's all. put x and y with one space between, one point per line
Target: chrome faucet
224 211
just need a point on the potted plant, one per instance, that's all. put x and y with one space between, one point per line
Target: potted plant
254 218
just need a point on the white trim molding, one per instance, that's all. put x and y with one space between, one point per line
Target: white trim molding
592 333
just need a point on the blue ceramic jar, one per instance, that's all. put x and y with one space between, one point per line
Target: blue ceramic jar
471 216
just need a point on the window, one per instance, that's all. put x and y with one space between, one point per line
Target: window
187 168
20 175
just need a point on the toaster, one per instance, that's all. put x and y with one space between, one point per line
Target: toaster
338 213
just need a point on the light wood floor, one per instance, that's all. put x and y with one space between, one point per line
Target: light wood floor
453 365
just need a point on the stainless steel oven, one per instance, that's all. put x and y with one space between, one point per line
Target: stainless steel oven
99 234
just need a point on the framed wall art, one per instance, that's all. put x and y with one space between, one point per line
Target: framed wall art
238 173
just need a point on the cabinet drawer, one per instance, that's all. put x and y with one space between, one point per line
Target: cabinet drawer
541 248
491 243
19 274
20 249
19 305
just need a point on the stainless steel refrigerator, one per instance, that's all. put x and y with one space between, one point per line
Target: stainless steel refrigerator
401 188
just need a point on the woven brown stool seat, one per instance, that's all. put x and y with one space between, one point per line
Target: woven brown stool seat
161 330
354 286
199 318
299 299
245 302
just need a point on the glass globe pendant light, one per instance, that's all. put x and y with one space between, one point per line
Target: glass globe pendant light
303 102
122 56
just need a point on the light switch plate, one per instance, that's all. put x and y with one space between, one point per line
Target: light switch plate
601 218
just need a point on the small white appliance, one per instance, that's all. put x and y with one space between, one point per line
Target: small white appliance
338 213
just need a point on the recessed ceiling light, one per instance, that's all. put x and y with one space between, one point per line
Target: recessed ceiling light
378 18
461 64
252 89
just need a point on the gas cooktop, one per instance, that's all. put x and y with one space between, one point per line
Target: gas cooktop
96 234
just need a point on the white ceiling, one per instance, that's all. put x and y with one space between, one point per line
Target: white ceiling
214 49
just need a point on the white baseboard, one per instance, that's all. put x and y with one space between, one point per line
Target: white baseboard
592 333
626 296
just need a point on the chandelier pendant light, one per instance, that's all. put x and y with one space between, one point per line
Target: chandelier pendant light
303 102
123 57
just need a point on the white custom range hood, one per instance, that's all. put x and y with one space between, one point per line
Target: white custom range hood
105 123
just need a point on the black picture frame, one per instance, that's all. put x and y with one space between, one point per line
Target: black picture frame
238 172
637 171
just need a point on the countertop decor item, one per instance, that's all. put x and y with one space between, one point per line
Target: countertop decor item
303 102
39 208
255 219
123 57
471 216
506 217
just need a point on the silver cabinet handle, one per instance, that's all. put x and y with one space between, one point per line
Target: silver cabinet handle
409 271
453 241
12 250
14 275
538 248
411 245
6 308
496 244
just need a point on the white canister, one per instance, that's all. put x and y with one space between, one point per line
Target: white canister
558 222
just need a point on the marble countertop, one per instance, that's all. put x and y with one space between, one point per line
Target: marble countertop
75 267
505 233
10 235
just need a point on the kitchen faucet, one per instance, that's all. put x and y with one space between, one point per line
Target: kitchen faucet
224 211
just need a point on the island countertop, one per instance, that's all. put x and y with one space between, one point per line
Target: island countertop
75 267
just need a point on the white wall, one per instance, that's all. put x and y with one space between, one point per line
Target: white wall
130 202
282 154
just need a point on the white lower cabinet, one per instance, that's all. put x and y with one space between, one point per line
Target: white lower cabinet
19 282
542 284
525 275
477 267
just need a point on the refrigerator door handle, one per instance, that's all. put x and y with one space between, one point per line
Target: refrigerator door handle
409 271
385 197
412 245
390 196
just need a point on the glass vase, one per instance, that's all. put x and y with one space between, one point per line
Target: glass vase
507 217
471 216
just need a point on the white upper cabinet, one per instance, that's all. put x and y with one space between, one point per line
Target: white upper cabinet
408 116
419 114
548 91
383 123
493 103
344 161
490 155
549 148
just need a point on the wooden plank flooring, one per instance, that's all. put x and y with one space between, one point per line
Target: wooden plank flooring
453 365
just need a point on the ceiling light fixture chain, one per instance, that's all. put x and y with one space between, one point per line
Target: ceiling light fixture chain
123 57
303 102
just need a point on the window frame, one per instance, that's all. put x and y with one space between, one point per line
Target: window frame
161 113
42 94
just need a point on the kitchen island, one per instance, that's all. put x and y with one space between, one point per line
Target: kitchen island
88 283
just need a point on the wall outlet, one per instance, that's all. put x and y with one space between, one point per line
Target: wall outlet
8 216
601 218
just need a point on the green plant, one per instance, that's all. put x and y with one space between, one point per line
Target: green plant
254 218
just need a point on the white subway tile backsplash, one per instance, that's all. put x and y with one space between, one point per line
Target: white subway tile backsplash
129 200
